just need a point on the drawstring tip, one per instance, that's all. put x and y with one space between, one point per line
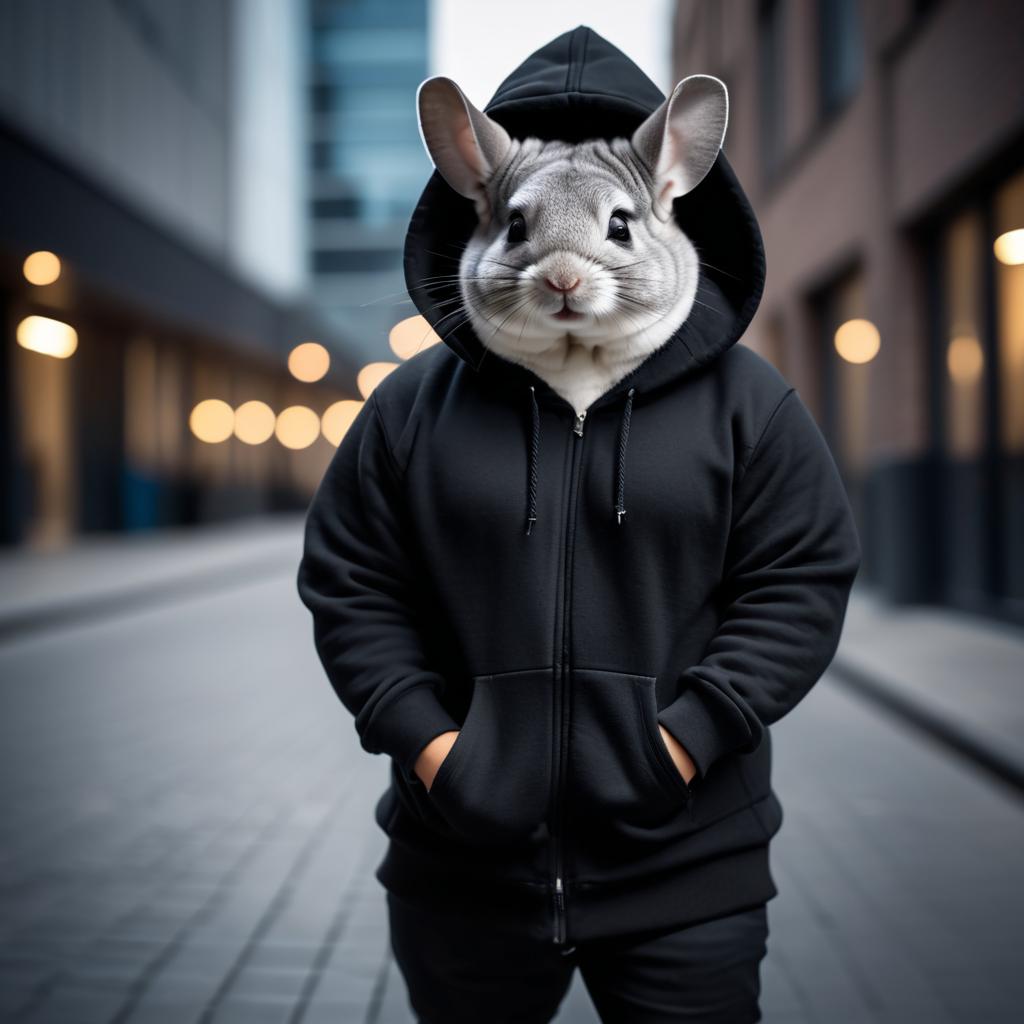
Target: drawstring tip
620 512
529 523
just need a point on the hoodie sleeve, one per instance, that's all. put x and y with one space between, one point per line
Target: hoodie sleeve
792 556
356 578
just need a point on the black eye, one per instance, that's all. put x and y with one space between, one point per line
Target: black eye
618 229
516 229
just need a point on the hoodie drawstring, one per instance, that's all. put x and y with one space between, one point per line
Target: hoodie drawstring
534 452
620 507
620 467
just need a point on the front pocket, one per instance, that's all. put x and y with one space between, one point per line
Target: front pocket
493 786
620 769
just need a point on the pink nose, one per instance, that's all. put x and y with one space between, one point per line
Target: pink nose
559 288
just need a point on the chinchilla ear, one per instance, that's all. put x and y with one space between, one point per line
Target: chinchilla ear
464 144
680 140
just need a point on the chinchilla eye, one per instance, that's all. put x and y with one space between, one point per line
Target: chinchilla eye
516 229
618 229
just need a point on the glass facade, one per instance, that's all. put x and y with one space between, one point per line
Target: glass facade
367 164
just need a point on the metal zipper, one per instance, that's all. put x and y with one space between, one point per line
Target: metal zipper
559 814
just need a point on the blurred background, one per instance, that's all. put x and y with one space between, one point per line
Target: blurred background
202 210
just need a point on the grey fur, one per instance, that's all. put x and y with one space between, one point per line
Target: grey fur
634 298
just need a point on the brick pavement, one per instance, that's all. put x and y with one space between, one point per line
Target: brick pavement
187 836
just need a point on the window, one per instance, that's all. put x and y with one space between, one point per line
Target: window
840 53
850 342
964 357
349 261
1007 256
1008 218
336 208
770 74
978 375
384 44
775 343
962 370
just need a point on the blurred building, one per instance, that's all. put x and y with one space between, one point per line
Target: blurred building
882 145
153 258
367 163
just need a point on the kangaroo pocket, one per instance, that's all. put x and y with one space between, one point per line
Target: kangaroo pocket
494 784
620 770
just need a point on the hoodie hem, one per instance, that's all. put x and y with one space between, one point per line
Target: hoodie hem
724 884
721 885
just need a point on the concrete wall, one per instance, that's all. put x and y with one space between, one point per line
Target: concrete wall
188 111
852 211
941 95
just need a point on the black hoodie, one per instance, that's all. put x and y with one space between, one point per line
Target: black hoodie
477 558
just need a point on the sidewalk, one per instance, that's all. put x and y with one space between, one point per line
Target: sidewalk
97 576
188 832
958 677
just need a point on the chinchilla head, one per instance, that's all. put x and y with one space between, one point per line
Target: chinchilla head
577 265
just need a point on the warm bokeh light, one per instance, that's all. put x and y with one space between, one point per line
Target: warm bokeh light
857 341
297 427
254 422
212 421
371 375
309 362
338 418
412 335
41 267
964 359
1009 247
47 337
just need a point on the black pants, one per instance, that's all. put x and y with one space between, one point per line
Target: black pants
467 974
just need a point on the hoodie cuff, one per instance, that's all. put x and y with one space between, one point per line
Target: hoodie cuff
705 729
408 724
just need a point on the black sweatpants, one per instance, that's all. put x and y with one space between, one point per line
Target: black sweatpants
456 973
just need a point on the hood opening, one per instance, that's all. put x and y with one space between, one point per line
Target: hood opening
579 86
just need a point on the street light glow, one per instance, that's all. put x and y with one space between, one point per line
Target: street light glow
412 335
41 268
371 375
254 422
46 336
857 341
1009 247
212 421
309 362
964 359
297 427
338 418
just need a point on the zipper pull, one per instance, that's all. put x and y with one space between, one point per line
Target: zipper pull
559 908
578 425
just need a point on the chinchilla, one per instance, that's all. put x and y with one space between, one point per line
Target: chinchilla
577 268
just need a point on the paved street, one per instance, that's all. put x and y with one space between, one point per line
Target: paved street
187 836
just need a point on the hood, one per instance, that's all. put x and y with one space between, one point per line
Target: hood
579 86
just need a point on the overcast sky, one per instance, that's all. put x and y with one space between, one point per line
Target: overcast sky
479 43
